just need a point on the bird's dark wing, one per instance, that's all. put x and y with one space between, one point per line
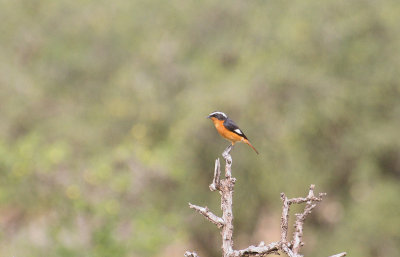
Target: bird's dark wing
231 125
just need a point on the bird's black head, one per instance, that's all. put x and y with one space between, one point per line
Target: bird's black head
218 116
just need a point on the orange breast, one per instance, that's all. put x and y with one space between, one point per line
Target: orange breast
227 134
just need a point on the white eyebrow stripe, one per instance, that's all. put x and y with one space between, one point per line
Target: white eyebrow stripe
238 131
223 114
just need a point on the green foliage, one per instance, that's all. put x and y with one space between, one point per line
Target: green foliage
103 136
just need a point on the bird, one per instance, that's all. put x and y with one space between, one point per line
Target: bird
228 129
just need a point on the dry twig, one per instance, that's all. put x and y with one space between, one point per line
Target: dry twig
191 254
339 254
225 186
209 215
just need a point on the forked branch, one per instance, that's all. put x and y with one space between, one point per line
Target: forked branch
291 247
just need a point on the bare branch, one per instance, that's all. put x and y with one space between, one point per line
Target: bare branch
311 203
339 254
284 244
225 187
215 185
228 161
287 250
191 254
208 214
226 191
310 197
284 218
260 250
298 233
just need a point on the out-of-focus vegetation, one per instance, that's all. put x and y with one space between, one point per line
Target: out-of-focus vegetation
104 141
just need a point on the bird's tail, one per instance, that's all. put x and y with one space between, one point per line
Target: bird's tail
247 142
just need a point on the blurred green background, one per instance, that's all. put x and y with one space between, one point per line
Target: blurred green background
104 141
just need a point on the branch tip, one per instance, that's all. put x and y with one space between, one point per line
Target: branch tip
216 183
339 254
219 222
190 254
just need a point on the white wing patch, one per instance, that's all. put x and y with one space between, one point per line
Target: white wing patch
238 131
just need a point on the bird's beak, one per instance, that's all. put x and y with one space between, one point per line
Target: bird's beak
208 117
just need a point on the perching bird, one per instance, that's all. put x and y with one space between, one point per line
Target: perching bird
228 129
